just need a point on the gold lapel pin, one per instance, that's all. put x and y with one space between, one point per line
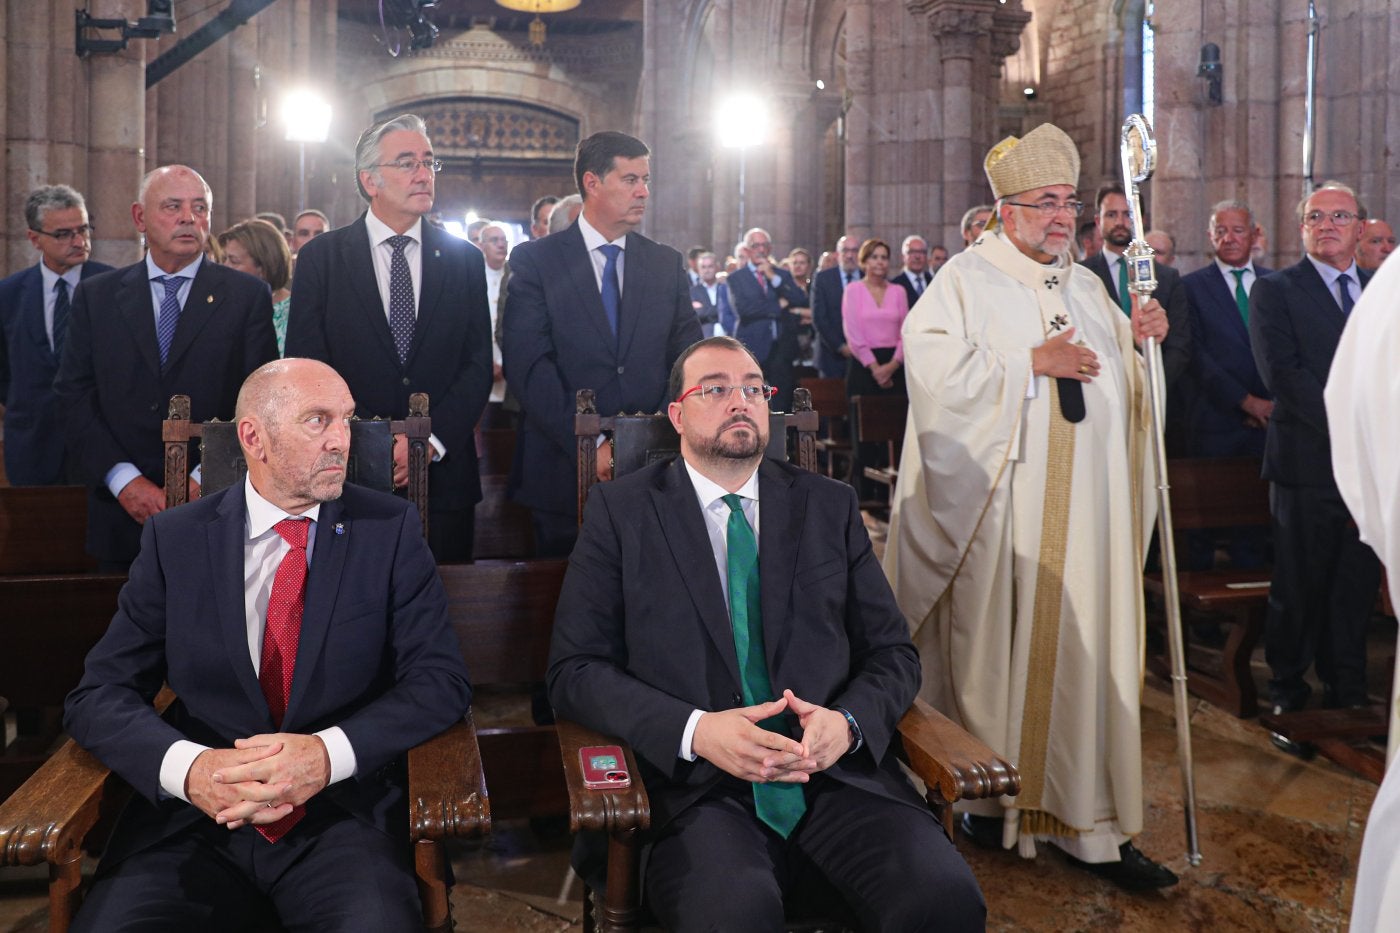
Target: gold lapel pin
209 300
437 254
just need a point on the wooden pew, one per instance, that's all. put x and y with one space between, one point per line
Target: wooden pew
829 401
880 419
42 530
503 613
1219 493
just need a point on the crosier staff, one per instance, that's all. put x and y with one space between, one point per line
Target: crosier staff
1138 151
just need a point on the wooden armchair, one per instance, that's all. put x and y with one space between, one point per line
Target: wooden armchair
52 817
952 763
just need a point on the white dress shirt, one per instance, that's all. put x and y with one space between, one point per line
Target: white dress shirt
382 254
263 550
592 239
1331 275
50 279
1228 273
712 505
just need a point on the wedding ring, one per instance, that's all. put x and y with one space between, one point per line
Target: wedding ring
1084 368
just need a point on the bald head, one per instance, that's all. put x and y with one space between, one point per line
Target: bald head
293 419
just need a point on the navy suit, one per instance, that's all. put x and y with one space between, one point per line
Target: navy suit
34 448
1222 369
905 280
115 393
376 657
557 340
710 313
338 317
767 328
1325 580
827 293
642 637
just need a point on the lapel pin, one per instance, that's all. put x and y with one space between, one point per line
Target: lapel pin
209 300
437 254
339 528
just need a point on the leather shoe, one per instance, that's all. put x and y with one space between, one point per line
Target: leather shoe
1300 750
984 830
1133 872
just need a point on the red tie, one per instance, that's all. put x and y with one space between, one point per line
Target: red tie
280 636
762 282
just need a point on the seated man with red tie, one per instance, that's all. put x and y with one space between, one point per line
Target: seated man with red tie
302 625
725 615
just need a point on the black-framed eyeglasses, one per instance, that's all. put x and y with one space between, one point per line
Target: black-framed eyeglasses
67 233
1051 208
1339 218
713 393
411 165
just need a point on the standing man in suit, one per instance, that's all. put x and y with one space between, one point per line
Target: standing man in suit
302 625
34 309
765 299
1325 578
306 226
710 298
1230 404
827 290
539 216
915 275
760 692
597 306
1115 220
1377 242
495 245
397 306
171 324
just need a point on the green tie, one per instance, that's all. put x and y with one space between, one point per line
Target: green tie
1125 301
778 805
1241 296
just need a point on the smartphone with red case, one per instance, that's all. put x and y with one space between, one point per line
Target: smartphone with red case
604 768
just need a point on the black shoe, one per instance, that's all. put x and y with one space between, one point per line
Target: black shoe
1133 872
1300 750
983 830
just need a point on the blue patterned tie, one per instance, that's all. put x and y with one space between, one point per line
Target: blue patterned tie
612 293
1344 285
60 316
169 315
401 316
779 805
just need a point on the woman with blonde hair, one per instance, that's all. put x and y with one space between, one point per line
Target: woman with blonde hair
258 248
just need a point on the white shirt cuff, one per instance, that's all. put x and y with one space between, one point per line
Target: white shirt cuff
340 752
1033 386
118 477
175 767
437 446
686 751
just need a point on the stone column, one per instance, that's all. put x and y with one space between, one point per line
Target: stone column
860 148
26 127
116 138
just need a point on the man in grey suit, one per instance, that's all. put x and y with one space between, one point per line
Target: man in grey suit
597 306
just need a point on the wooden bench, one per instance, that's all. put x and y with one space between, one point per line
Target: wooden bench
880 419
43 530
1218 493
830 403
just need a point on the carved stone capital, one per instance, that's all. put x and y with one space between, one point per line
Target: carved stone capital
1008 22
959 25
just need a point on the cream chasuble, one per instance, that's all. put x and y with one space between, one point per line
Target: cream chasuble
1017 538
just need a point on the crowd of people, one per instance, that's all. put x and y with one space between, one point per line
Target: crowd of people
758 667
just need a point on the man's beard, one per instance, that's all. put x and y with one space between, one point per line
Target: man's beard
725 446
1118 236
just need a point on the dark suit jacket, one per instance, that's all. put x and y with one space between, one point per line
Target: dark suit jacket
642 634
757 310
1294 327
827 292
905 280
337 317
115 395
1177 348
719 311
557 341
34 449
1222 368
377 656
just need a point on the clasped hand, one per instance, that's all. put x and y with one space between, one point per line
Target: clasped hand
259 780
733 741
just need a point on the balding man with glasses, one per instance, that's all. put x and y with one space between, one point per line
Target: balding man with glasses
397 306
1325 579
34 306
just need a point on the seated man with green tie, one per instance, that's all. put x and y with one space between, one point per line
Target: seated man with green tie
725 615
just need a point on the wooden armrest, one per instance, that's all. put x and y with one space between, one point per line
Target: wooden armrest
946 756
607 810
446 786
47 819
